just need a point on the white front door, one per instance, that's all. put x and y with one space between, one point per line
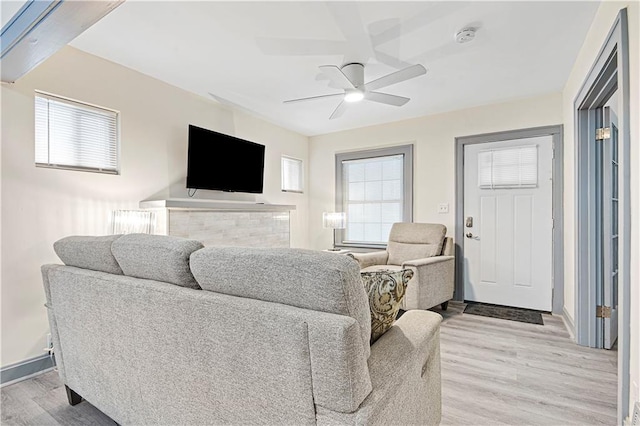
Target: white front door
508 243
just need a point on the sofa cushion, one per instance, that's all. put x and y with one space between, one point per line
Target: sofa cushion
88 252
386 289
157 257
410 241
307 279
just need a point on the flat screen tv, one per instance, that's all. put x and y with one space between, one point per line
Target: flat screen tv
224 163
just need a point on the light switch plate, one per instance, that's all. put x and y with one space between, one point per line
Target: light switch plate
443 208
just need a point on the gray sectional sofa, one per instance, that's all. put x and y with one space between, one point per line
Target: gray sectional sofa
160 330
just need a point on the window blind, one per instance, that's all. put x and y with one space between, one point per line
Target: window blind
508 168
292 175
374 196
74 135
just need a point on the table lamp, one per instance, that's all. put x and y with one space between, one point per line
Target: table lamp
132 221
337 220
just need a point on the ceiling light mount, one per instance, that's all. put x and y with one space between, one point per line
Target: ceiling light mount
465 35
354 72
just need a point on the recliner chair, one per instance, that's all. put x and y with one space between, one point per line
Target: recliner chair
425 249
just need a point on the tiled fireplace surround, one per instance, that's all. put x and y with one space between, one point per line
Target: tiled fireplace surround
222 223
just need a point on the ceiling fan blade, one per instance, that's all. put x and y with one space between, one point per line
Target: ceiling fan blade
396 77
385 98
313 98
337 77
348 18
339 110
296 47
387 51
390 60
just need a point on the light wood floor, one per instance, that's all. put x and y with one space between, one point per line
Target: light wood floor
504 372
494 372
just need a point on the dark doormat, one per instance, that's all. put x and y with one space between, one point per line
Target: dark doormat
504 312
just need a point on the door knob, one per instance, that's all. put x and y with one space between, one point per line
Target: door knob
469 235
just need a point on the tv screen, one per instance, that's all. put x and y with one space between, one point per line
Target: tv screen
224 163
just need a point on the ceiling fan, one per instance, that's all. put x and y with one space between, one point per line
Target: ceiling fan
350 78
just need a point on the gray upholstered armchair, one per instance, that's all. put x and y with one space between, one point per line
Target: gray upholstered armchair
424 248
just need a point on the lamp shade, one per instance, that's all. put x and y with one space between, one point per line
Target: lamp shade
336 220
132 221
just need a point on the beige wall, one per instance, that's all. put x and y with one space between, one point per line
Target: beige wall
41 205
594 41
434 154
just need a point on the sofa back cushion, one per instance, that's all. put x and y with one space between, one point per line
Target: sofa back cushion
307 279
157 257
88 252
410 241
235 361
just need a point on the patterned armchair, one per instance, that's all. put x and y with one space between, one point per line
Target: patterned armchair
424 248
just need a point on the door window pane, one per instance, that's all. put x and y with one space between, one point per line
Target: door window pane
508 168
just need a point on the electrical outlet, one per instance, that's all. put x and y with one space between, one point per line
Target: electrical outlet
443 208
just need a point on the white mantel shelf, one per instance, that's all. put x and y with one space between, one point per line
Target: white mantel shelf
213 205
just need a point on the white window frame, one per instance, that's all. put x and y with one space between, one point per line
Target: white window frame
282 172
84 105
407 206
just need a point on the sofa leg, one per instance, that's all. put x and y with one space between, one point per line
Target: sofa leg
444 305
72 396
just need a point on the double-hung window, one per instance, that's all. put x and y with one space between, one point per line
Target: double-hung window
374 188
74 135
292 175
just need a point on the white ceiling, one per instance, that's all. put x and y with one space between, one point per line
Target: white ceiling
258 54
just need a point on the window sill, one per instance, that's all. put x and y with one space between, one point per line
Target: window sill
78 169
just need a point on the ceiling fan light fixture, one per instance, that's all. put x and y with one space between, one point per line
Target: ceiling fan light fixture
350 78
353 96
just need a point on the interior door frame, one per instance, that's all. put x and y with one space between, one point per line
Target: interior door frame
609 72
555 132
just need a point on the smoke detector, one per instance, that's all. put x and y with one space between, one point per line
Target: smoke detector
465 35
